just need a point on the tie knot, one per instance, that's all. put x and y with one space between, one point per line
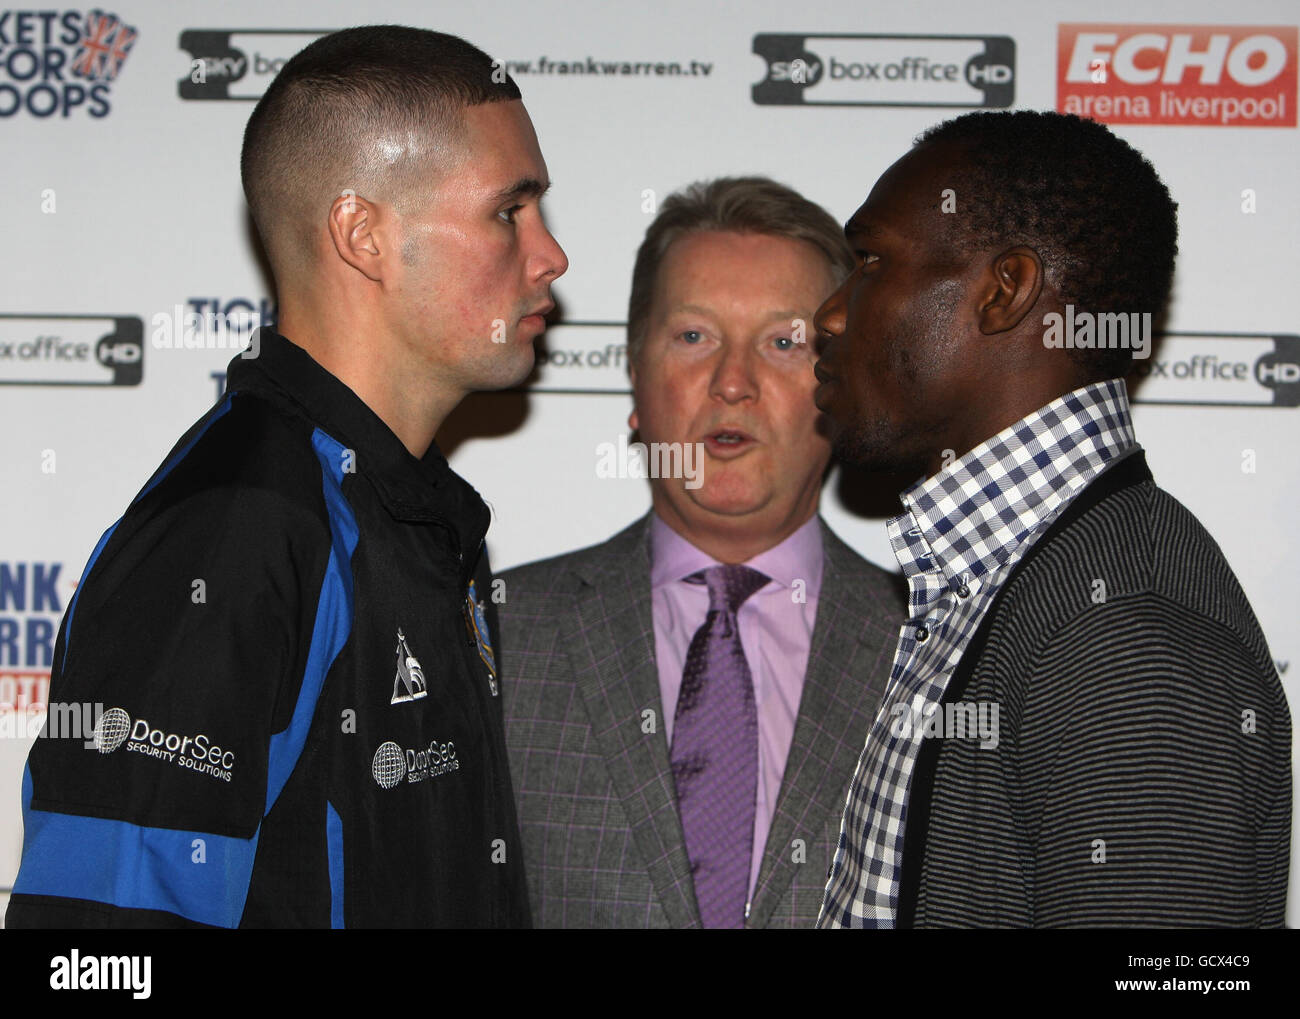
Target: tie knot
729 586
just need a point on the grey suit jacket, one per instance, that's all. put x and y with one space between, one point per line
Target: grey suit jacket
603 842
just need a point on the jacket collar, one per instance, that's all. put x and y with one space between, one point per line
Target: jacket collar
417 491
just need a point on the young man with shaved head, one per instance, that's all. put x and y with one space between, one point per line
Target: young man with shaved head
302 721
1137 771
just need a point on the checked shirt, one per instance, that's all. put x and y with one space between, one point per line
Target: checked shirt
961 533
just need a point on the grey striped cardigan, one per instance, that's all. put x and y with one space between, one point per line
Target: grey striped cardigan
1142 774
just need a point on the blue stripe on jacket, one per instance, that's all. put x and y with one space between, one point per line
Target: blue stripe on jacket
197 875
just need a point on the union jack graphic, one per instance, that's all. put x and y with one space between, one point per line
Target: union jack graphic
104 46
121 46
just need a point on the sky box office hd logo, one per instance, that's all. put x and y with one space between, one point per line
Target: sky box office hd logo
1220 370
238 63
886 70
71 350
61 63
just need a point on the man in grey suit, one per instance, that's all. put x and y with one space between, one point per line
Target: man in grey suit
685 702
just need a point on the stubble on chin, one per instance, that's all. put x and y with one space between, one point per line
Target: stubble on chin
882 446
868 445
512 366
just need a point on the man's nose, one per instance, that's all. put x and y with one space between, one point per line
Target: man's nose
829 320
733 377
553 262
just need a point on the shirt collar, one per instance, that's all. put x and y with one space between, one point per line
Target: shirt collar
798 557
975 512
426 489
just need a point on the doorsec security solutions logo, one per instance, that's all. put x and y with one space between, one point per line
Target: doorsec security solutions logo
57 62
391 763
71 350
886 70
1220 370
238 63
196 753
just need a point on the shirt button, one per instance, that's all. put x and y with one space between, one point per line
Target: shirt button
963 591
921 634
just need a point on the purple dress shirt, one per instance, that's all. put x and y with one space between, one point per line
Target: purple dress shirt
776 627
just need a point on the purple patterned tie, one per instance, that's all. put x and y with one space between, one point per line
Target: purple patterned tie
715 750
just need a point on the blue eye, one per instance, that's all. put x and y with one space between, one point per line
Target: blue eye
691 335
785 343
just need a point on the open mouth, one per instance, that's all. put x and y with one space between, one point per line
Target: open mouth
727 442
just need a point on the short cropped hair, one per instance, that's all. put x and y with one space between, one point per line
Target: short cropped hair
322 125
1088 202
747 205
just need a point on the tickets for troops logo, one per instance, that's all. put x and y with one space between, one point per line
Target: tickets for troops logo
59 63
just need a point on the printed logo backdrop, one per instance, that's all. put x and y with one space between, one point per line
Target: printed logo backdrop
131 277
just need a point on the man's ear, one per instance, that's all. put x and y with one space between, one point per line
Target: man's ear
1011 287
354 225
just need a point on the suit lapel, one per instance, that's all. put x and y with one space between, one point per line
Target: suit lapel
611 644
842 691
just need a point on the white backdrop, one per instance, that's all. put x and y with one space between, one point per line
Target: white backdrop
124 203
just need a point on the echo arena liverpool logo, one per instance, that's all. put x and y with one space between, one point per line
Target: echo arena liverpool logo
58 63
1193 75
886 70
